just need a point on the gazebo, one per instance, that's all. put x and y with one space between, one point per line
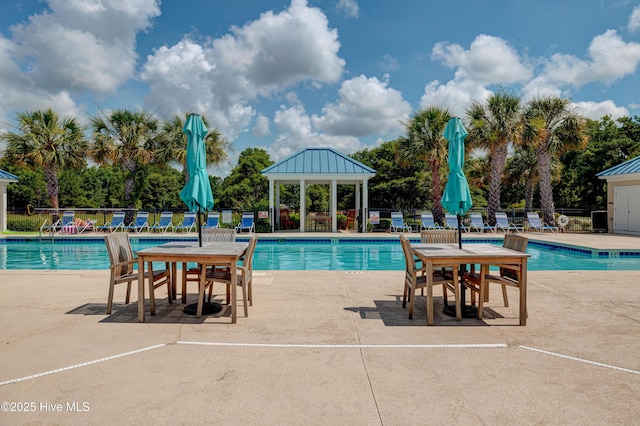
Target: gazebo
323 166
5 179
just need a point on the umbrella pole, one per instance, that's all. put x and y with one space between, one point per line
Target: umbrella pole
199 224
467 311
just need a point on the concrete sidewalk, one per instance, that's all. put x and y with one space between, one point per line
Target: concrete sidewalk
320 348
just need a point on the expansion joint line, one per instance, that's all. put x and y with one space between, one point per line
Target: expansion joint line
586 361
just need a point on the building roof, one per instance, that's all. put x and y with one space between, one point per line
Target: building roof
318 161
6 176
626 168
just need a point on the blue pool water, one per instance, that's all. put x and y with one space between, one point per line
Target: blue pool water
301 254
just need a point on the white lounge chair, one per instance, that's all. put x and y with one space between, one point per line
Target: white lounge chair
503 224
478 224
538 225
427 221
398 223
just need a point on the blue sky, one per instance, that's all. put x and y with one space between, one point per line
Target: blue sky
284 75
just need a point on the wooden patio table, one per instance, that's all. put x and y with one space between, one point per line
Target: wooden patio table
218 253
440 255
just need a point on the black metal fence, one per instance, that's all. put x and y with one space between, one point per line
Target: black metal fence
574 220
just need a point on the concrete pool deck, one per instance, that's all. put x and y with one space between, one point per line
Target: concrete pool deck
320 347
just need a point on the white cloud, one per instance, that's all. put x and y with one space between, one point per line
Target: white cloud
261 58
489 60
84 45
634 20
365 106
349 7
296 133
262 127
597 110
610 59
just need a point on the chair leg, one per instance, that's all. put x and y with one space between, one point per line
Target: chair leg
110 299
126 301
404 297
504 296
412 297
244 299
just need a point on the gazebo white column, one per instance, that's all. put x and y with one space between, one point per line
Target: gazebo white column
303 205
358 208
3 207
333 205
365 204
271 209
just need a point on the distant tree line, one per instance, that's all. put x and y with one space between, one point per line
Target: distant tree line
518 156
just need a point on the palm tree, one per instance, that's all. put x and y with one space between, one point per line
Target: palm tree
494 126
125 139
48 142
522 170
556 129
424 141
174 144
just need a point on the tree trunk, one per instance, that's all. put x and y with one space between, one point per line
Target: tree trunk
498 161
436 185
51 177
529 187
546 191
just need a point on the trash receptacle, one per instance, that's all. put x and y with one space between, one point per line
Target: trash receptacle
599 221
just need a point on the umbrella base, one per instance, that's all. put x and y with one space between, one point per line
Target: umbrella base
466 311
209 308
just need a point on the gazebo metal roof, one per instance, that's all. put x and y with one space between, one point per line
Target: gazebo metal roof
626 168
316 161
8 176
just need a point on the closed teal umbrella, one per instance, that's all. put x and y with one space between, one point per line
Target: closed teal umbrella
196 194
456 198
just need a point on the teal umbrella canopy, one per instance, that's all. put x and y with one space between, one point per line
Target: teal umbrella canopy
456 198
196 194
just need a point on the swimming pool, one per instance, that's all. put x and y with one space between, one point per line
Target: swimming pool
300 254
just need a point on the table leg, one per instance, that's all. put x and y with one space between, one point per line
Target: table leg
140 289
184 282
429 271
174 280
234 286
484 270
201 283
152 299
523 292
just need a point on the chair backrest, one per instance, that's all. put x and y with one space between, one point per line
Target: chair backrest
452 221
189 219
502 220
439 236
247 219
397 218
476 220
351 214
165 218
516 242
67 218
534 219
218 235
213 219
117 218
408 255
142 218
427 219
119 250
247 260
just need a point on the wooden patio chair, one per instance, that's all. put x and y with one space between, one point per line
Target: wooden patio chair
414 281
244 277
507 277
122 260
209 235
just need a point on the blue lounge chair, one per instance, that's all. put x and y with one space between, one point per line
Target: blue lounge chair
213 220
451 222
247 222
117 222
164 224
428 222
188 223
398 223
502 223
538 225
478 224
141 222
67 219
